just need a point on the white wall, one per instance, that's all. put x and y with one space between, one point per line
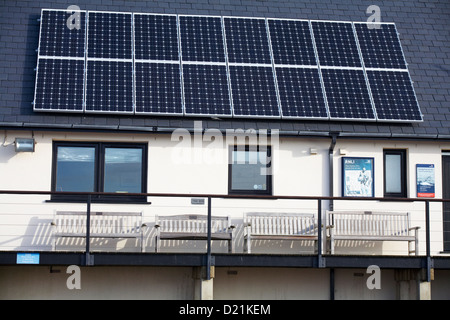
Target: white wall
201 167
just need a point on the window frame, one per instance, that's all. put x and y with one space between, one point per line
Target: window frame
269 177
99 172
403 173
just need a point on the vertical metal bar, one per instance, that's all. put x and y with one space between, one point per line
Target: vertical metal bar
319 234
208 251
88 227
427 218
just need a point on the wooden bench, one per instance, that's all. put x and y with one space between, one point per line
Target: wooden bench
193 227
372 226
279 226
72 224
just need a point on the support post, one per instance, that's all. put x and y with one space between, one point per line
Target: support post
208 251
88 260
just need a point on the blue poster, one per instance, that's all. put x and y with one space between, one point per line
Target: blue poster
357 177
425 181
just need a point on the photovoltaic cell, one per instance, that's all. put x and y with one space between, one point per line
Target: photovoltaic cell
59 85
253 91
347 94
301 93
57 39
156 37
206 90
109 86
110 35
247 40
380 47
393 95
336 44
202 39
291 42
158 88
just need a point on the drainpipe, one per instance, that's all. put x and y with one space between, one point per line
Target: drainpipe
333 136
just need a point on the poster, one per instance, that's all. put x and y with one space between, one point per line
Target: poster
425 180
357 177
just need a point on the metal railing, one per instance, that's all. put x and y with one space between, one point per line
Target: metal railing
209 197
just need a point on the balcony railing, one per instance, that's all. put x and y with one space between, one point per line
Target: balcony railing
27 223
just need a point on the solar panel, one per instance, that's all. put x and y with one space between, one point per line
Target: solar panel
253 91
291 42
202 39
56 39
347 94
109 86
380 47
206 90
393 95
336 44
301 93
156 37
110 35
183 65
158 88
247 40
59 85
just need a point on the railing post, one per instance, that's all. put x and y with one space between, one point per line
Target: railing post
427 235
208 250
320 262
88 230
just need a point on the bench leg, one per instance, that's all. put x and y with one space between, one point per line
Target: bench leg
157 243
247 244
231 245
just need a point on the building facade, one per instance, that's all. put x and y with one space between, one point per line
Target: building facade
177 165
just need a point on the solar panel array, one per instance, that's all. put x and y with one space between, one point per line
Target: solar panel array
183 65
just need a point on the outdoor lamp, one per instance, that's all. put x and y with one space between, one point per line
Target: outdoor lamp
24 144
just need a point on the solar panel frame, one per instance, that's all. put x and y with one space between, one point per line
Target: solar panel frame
188 111
154 109
313 63
42 50
135 41
329 86
118 63
392 70
65 58
216 87
355 60
160 63
276 60
182 36
89 58
94 54
62 87
238 86
364 48
245 59
410 91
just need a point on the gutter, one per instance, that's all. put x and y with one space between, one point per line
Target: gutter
169 130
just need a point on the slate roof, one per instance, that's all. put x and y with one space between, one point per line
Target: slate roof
424 32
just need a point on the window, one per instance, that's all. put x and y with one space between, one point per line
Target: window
395 173
99 167
249 170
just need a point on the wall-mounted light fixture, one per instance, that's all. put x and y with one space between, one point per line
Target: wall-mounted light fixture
24 144
312 151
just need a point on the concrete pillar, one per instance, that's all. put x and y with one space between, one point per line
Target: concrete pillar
412 284
203 288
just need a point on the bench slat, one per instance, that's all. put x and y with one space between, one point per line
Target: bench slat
68 224
374 226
